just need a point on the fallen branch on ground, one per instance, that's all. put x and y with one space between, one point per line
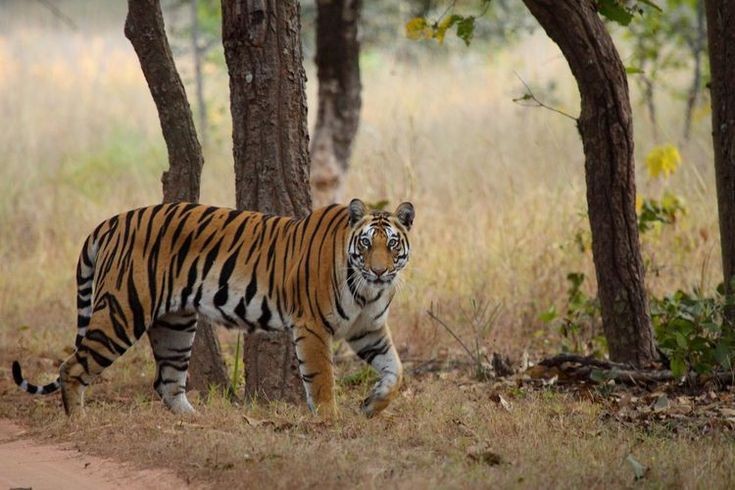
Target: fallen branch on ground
576 367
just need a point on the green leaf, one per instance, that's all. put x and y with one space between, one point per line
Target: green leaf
549 315
614 11
723 355
681 341
466 29
650 3
678 367
633 70
599 376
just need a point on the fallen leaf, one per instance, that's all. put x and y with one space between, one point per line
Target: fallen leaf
662 404
639 470
498 398
253 421
483 455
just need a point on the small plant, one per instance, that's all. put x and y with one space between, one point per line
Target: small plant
665 211
581 320
481 316
689 330
236 369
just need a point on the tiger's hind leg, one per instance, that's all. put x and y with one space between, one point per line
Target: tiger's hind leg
171 339
105 340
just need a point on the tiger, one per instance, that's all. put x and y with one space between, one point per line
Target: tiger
330 275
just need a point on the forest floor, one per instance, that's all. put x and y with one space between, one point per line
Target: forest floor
445 430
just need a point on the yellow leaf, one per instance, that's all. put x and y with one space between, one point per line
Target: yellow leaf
663 161
441 29
417 28
638 204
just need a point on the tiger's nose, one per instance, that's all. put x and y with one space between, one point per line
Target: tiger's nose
379 270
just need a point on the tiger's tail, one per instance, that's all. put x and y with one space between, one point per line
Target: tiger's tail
85 278
31 388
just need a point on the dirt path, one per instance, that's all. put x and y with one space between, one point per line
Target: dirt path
26 464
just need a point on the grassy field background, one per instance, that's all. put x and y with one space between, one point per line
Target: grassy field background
500 199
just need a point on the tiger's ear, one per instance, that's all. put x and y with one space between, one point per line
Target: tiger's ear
357 211
405 214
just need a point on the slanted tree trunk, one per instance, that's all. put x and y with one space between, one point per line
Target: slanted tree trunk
270 145
606 127
721 35
338 72
145 29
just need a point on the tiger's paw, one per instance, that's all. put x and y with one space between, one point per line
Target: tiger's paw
327 413
373 405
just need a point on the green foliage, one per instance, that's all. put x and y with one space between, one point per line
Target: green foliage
615 11
666 42
580 322
421 28
466 29
365 376
664 211
623 12
689 330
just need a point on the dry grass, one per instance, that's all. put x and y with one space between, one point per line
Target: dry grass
427 439
499 192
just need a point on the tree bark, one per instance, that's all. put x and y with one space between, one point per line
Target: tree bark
270 145
145 29
606 127
721 36
697 46
197 52
338 72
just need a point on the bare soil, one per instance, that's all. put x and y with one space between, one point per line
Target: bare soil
25 463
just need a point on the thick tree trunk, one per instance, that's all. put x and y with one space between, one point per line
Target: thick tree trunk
721 35
145 29
606 127
270 144
338 71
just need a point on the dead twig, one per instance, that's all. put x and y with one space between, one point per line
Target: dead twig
599 371
536 102
451 332
59 14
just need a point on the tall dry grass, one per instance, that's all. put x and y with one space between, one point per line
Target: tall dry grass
499 189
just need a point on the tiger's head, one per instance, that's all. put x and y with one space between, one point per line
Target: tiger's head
378 246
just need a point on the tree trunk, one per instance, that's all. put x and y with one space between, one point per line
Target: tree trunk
606 128
270 145
145 29
721 36
198 55
697 47
338 71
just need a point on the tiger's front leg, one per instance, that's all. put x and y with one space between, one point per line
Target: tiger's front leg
376 348
314 356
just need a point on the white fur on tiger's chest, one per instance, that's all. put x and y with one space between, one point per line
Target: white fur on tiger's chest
371 316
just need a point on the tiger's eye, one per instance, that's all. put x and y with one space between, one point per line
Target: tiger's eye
365 242
392 243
